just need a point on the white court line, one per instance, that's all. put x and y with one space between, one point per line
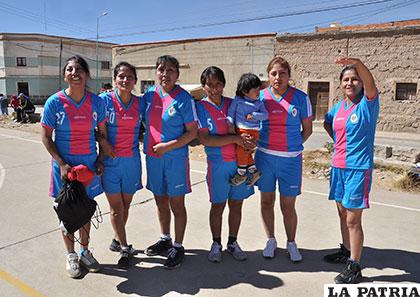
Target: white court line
21 138
371 202
2 175
326 195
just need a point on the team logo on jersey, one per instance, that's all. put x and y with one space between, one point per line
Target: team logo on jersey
294 112
171 111
95 115
354 118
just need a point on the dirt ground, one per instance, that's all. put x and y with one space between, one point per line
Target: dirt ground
316 163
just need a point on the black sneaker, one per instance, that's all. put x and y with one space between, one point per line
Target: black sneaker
341 256
115 246
124 261
175 258
160 247
352 274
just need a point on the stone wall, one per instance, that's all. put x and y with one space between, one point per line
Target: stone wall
393 56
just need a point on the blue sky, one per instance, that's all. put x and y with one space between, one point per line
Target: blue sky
138 21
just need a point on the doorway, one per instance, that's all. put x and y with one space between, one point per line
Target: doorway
23 87
319 93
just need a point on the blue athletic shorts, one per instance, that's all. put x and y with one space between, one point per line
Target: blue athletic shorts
93 189
122 175
286 171
219 174
168 175
350 187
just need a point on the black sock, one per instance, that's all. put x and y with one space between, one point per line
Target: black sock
218 240
231 239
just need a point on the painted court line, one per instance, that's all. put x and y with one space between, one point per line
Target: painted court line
326 195
203 172
20 138
2 175
371 202
27 290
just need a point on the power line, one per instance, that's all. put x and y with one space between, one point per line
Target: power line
253 19
225 12
42 19
354 17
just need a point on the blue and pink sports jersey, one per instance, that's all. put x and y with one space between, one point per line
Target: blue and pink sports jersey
354 133
74 124
123 124
281 132
214 119
166 117
241 107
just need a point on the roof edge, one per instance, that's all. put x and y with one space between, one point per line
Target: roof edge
189 40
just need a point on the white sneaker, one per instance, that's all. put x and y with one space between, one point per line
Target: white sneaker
89 262
72 265
270 248
215 254
293 252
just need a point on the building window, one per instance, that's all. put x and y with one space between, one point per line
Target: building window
20 61
105 65
406 91
145 84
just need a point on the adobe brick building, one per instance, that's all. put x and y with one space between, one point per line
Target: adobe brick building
390 50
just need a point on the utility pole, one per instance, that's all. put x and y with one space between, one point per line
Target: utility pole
59 63
97 41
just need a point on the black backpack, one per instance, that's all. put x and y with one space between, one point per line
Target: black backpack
73 206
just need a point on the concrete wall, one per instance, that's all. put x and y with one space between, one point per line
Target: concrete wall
234 55
42 72
393 56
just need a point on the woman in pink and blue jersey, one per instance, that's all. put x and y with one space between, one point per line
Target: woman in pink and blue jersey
122 174
73 114
351 123
220 147
279 153
170 125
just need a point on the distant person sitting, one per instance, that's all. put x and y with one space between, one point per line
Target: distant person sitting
4 103
15 104
26 107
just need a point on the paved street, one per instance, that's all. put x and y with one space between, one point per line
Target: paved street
32 260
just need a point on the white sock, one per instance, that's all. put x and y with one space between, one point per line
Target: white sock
165 236
177 245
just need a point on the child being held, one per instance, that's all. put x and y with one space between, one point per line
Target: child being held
245 114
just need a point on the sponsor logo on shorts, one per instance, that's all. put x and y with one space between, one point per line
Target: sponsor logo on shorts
339 119
178 186
94 187
294 186
354 118
356 198
82 117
